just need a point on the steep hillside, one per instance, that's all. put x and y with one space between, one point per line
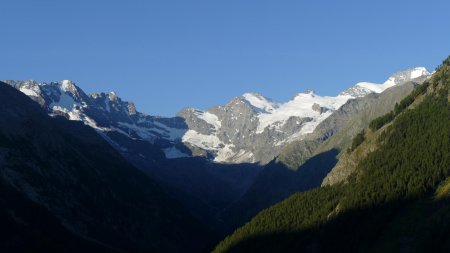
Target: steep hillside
338 130
396 200
303 164
355 152
63 173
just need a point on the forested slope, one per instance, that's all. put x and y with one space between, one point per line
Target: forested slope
395 200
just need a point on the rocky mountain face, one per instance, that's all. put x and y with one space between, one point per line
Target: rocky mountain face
363 88
252 128
65 189
103 111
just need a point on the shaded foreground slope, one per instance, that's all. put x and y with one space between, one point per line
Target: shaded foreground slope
202 186
73 192
397 199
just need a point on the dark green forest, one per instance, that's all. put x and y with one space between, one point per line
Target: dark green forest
398 200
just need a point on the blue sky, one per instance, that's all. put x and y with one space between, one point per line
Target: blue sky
166 55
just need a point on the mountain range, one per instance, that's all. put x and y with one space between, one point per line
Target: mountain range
248 129
178 182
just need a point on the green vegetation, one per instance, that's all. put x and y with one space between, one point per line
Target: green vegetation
445 63
383 120
358 140
397 200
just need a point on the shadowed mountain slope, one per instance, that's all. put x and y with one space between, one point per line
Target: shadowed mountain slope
76 193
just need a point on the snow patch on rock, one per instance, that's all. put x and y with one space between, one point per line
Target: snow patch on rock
207 142
30 90
209 118
301 106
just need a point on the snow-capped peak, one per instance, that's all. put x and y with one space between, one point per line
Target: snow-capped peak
67 86
418 72
407 75
306 94
362 89
30 88
112 96
310 92
259 102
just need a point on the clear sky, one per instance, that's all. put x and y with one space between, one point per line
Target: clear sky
166 55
